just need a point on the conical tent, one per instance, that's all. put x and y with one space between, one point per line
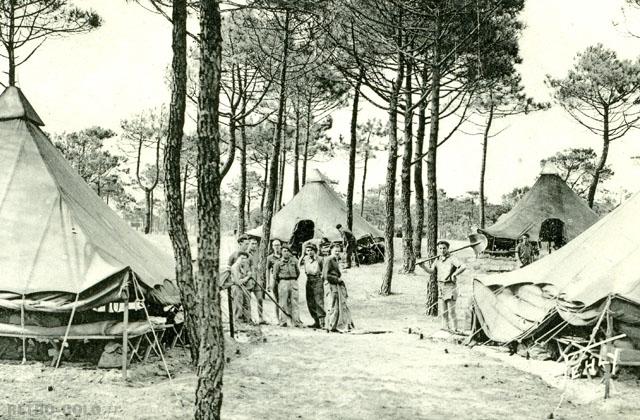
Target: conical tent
574 282
318 202
62 243
550 198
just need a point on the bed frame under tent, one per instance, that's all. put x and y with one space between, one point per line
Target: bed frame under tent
72 260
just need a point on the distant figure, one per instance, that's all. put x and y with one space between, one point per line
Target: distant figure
335 296
349 242
272 284
285 273
447 269
525 251
258 285
312 263
241 283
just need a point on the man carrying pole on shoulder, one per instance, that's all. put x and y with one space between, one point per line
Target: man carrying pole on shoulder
447 269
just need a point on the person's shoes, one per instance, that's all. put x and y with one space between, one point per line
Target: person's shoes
315 325
282 324
263 322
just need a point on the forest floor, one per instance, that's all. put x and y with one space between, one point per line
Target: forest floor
380 371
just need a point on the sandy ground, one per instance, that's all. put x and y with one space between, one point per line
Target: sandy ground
280 373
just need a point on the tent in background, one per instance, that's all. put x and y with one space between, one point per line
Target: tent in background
550 211
316 208
63 247
575 283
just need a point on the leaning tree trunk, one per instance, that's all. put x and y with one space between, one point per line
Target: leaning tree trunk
602 162
483 165
175 203
432 188
353 144
283 164
408 257
211 354
273 168
417 170
389 228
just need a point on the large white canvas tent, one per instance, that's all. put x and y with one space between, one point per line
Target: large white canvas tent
549 200
319 203
576 282
63 247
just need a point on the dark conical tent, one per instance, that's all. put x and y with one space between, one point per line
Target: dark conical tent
575 283
549 200
319 203
62 243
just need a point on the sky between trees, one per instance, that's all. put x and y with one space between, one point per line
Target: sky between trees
120 69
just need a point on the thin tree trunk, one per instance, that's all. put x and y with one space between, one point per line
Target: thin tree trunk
409 259
417 169
353 144
211 354
389 228
364 177
283 164
296 154
264 184
175 203
273 168
242 193
602 162
11 52
184 182
147 211
483 165
432 188
306 143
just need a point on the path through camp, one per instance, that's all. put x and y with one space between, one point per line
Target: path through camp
306 374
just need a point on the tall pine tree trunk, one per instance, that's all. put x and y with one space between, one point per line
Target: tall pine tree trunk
432 187
10 45
389 228
296 153
175 202
417 169
283 163
602 162
148 202
483 164
409 259
273 167
305 157
211 354
353 144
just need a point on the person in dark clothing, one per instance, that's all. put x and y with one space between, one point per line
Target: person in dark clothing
312 264
349 243
338 316
525 251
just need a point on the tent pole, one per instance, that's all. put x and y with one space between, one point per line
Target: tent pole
124 294
607 363
230 305
24 339
66 333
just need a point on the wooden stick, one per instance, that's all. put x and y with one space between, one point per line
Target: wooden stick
617 337
125 334
607 365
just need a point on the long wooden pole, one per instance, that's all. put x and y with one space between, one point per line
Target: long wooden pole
125 334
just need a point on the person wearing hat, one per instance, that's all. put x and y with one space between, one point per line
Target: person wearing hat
525 251
272 258
285 273
349 242
243 244
241 282
338 316
447 269
311 262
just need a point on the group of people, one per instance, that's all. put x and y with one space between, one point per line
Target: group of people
326 293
